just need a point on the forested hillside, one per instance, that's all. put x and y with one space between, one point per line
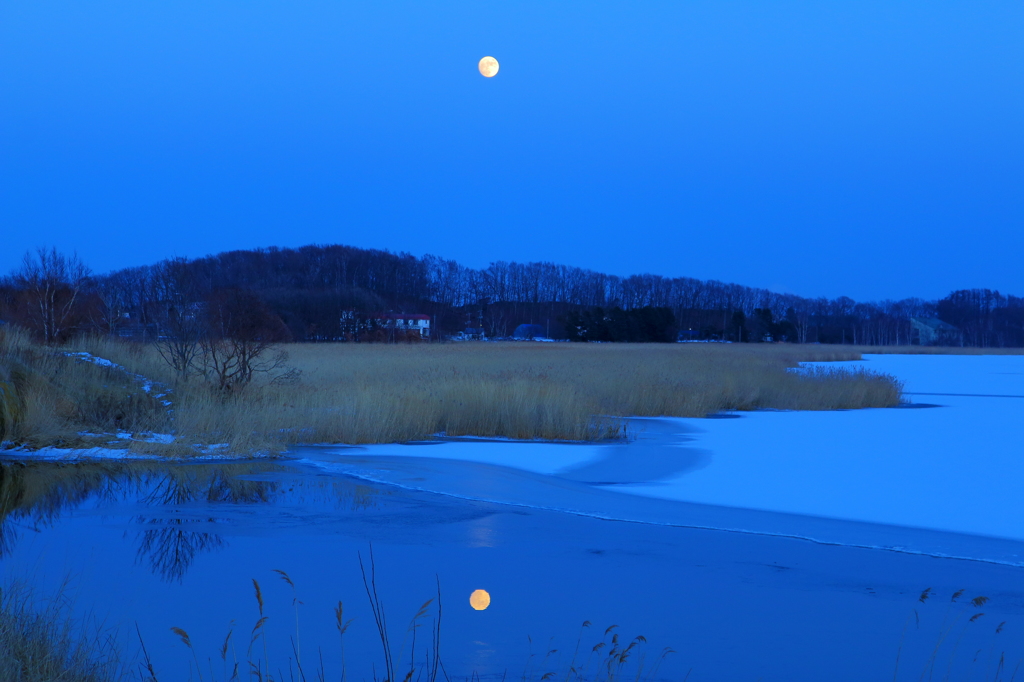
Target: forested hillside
307 289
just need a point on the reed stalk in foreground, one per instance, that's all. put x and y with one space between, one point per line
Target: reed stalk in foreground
609 660
39 642
970 618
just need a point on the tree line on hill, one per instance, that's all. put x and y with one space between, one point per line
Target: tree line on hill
301 294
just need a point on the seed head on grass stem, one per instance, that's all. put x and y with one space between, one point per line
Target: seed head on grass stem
224 646
259 630
187 641
295 606
259 595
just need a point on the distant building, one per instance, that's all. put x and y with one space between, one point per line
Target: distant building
353 322
471 333
931 331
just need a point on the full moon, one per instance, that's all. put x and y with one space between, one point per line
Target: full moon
480 600
488 68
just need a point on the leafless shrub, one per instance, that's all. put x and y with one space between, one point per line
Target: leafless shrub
241 341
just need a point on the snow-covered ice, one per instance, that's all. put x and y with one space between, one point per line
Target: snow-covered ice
957 466
952 460
540 457
939 477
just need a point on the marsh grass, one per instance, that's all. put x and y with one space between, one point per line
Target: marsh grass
352 393
362 393
611 659
39 642
50 398
960 618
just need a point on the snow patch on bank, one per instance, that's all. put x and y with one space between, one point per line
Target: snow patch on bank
215 452
147 385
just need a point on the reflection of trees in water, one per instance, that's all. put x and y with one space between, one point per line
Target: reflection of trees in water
205 483
39 493
170 547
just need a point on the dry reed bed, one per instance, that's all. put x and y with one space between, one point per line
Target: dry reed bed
40 643
374 394
48 398
359 393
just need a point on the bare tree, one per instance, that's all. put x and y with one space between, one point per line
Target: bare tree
51 284
180 339
241 341
182 323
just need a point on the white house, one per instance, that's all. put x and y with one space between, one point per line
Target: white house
406 322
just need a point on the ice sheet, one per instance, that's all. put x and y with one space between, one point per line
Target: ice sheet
956 467
952 462
534 456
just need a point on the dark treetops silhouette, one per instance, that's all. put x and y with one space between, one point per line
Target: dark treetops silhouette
301 294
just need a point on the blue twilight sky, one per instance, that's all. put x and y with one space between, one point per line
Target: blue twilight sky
873 149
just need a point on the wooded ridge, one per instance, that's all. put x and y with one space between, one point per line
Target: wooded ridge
308 288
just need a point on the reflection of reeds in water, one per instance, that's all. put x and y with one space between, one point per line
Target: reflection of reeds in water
40 492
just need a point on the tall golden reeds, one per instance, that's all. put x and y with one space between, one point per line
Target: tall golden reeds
360 393
39 641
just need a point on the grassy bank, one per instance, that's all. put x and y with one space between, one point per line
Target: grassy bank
48 397
39 643
357 393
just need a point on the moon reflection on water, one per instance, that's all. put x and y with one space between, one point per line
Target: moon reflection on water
479 600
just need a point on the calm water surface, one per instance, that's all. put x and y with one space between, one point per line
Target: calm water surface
161 546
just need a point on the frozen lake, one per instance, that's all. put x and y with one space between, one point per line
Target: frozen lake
774 545
952 460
